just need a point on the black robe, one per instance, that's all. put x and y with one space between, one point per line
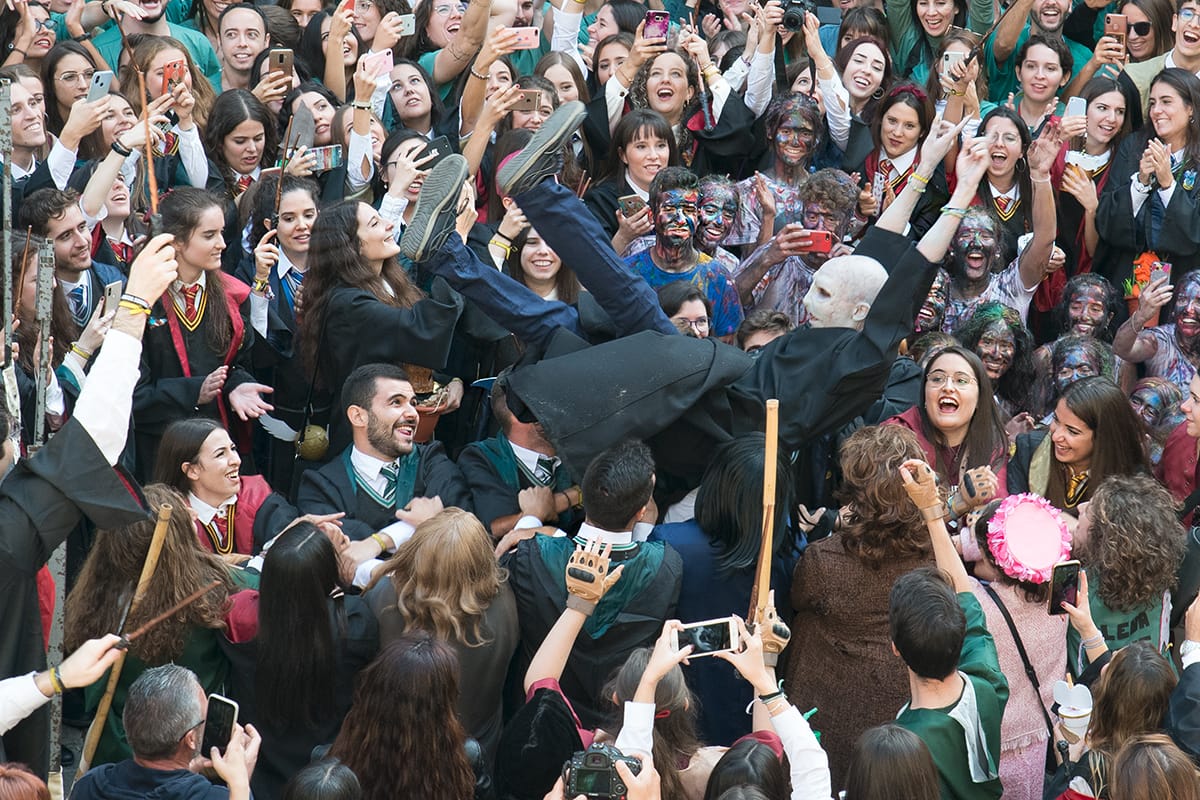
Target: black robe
495 482
331 489
41 502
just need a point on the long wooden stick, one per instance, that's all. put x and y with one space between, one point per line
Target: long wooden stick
149 146
114 677
766 547
170 612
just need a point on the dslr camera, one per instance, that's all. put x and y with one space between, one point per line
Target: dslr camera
794 11
593 772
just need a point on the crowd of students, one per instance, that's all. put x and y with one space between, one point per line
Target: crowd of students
416 308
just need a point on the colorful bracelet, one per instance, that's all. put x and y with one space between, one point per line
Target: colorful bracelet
381 541
79 351
475 74
919 178
954 212
56 681
133 307
507 248
261 285
133 298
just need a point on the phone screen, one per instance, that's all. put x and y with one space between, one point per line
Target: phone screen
1064 586
706 638
218 724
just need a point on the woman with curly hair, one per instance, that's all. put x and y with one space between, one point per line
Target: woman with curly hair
97 604
997 334
1131 544
840 594
402 737
445 581
1093 434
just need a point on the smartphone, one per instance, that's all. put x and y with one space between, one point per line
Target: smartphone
218 723
528 100
708 637
281 61
949 59
350 6
878 186
439 148
173 73
631 205
527 38
328 158
1160 270
408 24
1076 107
822 242
101 81
1064 586
1116 26
112 296
378 63
658 23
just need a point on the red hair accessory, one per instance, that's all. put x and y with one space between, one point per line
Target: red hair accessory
666 712
909 88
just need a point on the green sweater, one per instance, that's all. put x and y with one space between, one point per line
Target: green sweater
944 734
908 35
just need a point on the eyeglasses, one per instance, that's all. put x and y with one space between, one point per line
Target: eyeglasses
190 728
74 77
1186 15
41 24
444 10
961 380
683 324
364 5
1140 28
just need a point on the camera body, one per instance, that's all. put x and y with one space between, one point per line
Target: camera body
794 11
593 772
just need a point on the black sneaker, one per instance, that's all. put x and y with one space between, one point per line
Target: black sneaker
437 209
542 157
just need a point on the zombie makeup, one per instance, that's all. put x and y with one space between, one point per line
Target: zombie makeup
1074 362
718 208
819 217
1087 311
796 135
1153 398
975 249
1187 311
676 217
997 347
933 310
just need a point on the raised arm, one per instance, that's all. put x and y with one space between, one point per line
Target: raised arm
970 168
1004 40
933 150
921 485
1132 342
452 59
1034 263
335 71
500 42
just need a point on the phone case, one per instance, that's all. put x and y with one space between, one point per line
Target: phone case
527 38
173 75
408 24
379 63
658 23
528 101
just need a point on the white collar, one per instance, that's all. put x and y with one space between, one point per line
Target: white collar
1012 194
365 465
284 265
1169 61
67 286
177 286
900 163
205 512
529 457
615 538
629 181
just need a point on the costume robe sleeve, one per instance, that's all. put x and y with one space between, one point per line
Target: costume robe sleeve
362 330
1183 712
442 478
319 494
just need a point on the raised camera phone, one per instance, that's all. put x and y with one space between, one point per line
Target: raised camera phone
631 205
527 100
281 61
1159 271
101 81
218 723
821 242
1064 586
708 637
112 296
408 24
527 38
1076 107
1116 26
173 73
378 63
657 25
949 59
593 772
327 158
439 148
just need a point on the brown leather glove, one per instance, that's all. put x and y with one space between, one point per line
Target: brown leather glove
588 576
774 632
978 487
921 485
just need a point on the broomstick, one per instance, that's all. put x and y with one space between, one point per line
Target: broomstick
283 165
155 219
760 593
114 677
126 641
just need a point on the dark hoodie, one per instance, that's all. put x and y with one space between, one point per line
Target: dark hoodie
127 780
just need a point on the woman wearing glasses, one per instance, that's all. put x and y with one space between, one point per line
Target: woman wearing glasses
958 423
67 72
449 35
1094 433
1149 34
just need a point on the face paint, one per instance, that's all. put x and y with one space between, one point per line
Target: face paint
795 138
718 207
997 347
975 249
1149 404
1076 363
1187 310
933 310
818 217
1087 311
675 222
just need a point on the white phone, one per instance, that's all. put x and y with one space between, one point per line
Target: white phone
708 637
101 82
1076 107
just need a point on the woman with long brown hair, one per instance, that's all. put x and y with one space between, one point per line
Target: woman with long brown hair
402 737
445 581
97 605
360 307
840 593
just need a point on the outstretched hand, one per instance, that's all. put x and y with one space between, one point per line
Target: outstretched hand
588 576
920 483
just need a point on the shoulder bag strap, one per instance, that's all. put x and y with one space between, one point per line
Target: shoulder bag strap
1029 670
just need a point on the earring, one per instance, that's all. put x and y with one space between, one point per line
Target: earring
878 93
1021 165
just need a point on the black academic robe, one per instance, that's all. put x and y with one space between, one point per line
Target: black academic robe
359 329
601 200
692 394
40 178
332 488
489 467
41 502
167 391
623 621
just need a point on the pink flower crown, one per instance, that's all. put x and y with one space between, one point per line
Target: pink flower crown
1027 536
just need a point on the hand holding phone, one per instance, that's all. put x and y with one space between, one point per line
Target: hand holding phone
708 637
819 242
101 82
1064 586
218 723
527 101
173 73
657 24
527 38
112 296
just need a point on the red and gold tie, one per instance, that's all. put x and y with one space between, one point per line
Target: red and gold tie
885 169
1002 204
243 182
191 307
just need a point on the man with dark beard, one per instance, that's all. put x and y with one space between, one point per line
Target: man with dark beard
386 484
153 21
1170 351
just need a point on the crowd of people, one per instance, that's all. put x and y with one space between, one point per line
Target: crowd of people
402 376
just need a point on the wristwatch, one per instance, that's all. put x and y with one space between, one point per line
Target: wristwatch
1188 647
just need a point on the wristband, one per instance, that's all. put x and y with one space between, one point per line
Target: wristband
56 681
933 513
379 539
83 37
121 150
580 605
475 74
505 247
133 298
133 307
261 285
919 178
363 106
79 351
1095 641
19 50
954 212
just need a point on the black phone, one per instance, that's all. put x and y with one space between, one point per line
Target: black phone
1064 586
218 723
439 148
